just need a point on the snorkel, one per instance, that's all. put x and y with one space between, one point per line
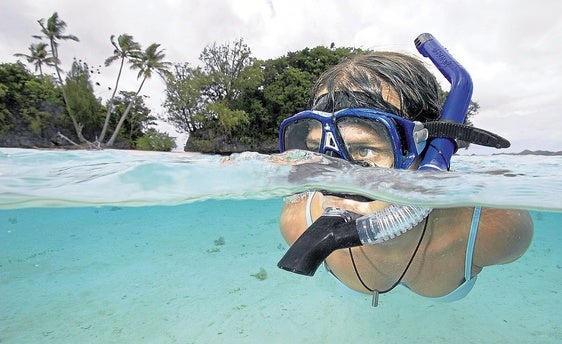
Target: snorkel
440 149
338 228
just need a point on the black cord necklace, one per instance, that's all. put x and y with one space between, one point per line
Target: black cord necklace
376 292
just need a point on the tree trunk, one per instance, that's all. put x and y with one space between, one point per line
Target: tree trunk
77 126
111 141
110 104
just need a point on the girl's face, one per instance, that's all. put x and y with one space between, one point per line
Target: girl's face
365 141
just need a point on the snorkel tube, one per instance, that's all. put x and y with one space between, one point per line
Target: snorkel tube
338 228
440 149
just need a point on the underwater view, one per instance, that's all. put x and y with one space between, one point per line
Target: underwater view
131 247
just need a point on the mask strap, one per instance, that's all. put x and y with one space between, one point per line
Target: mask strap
465 133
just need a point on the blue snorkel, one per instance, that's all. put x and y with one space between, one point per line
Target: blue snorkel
440 150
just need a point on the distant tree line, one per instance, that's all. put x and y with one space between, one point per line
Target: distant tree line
231 102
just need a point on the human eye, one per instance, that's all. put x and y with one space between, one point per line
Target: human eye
363 152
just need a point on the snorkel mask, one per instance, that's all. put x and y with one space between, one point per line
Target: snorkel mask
325 133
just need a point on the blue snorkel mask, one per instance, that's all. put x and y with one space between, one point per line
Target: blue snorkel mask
334 134
326 133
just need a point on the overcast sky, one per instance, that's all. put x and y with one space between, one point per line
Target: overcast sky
511 48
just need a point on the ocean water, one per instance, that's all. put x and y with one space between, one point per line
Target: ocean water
129 247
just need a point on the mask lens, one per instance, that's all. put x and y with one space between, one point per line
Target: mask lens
305 134
367 141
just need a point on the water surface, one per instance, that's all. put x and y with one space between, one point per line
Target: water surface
192 270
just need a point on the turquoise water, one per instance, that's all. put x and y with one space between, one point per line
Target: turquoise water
80 263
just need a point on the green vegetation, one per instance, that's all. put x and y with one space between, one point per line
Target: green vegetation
81 100
231 102
236 99
33 106
48 110
27 102
38 56
155 141
53 30
125 48
148 62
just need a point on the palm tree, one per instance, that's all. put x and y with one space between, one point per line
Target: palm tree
148 62
125 48
38 56
53 30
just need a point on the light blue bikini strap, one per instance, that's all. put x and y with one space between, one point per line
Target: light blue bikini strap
308 206
471 242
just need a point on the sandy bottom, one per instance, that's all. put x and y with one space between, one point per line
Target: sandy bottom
156 275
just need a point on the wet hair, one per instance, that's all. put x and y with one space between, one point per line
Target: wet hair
360 80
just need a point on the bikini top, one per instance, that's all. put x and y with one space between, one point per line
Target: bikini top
469 281
462 290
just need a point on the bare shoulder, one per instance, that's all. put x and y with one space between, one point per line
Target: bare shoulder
503 236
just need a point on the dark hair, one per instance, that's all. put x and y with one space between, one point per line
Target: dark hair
359 81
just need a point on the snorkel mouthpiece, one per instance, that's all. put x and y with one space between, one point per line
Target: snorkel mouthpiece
335 229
